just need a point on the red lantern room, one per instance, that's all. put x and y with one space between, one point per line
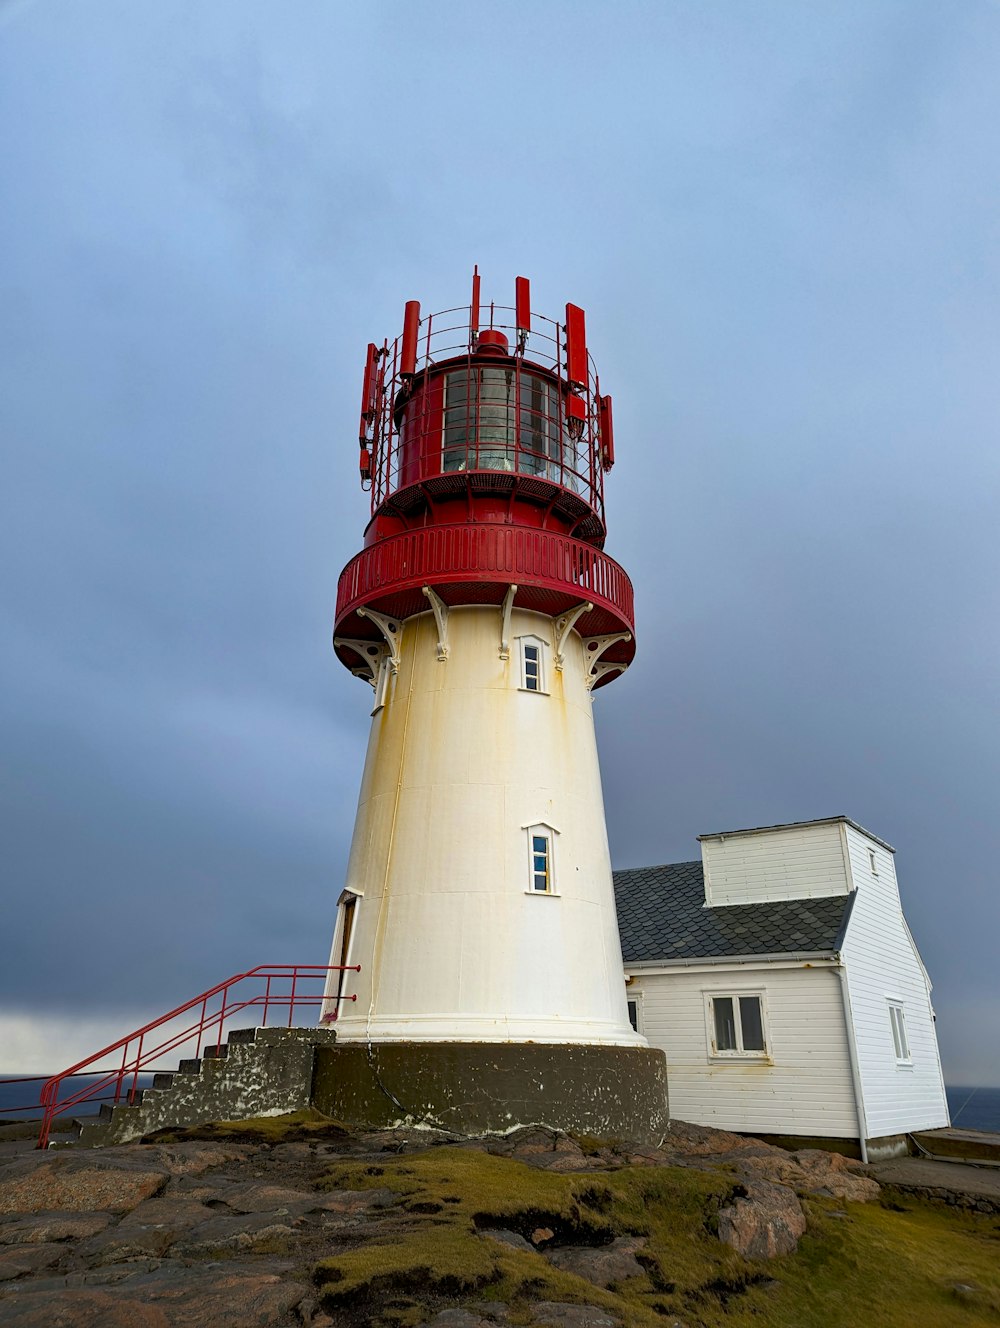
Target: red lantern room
484 442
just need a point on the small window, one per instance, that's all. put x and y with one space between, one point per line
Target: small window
899 1042
532 664
736 1025
872 863
541 864
635 1013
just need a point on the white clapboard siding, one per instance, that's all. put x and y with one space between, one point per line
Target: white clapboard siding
805 1089
797 862
883 965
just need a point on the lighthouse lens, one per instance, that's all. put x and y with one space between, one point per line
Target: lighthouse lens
495 419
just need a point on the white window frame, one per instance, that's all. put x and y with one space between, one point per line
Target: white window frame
872 862
738 1052
543 687
540 830
635 998
897 1027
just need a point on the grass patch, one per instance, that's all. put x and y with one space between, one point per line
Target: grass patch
294 1126
915 1265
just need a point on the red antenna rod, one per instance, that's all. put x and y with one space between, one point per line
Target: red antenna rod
576 346
607 431
522 305
474 307
408 353
368 391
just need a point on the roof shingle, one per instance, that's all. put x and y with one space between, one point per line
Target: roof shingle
662 916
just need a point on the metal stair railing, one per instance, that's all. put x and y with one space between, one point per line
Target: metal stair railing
273 986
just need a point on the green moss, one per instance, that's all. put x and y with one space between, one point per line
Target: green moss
295 1125
877 1264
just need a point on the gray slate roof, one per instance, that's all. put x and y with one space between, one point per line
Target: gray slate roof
662 917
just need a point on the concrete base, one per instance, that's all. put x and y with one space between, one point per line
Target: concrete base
478 1088
889 1145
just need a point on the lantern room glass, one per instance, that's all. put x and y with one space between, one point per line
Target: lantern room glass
498 419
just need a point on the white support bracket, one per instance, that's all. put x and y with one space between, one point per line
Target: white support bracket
599 670
441 618
390 630
371 652
564 626
594 647
508 604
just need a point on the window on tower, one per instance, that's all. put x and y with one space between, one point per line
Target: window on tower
532 664
541 865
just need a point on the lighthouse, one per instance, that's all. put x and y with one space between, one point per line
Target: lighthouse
479 980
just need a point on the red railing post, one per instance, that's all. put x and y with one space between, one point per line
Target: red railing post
222 1016
201 1028
135 1073
267 999
121 1072
291 1002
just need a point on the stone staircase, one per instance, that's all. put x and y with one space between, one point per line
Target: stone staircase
255 1072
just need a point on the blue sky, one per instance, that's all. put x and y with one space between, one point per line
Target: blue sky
782 220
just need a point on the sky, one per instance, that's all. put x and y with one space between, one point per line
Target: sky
783 223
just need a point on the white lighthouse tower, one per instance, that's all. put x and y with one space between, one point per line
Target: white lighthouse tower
477 922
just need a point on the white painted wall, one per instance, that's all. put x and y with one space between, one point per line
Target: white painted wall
882 964
800 862
804 1088
453 943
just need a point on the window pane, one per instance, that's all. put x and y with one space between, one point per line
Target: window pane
541 882
899 1033
530 652
633 1014
531 684
752 1024
539 844
725 1025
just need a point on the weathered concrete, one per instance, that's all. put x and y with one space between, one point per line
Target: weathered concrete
262 1072
887 1146
979 1146
953 1183
487 1088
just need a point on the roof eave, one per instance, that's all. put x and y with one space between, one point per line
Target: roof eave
789 956
798 825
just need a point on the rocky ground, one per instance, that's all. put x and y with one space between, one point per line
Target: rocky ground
304 1225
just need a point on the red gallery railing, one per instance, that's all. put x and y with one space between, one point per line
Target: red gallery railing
266 989
471 553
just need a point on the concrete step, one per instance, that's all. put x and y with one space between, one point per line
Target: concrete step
266 1071
957 1145
238 1036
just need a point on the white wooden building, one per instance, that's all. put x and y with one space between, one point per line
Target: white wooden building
779 976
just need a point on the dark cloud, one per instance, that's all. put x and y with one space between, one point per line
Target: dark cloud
781 224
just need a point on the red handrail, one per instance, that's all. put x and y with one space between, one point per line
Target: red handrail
146 1053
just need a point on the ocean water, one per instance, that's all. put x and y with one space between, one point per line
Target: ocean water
974 1108
20 1101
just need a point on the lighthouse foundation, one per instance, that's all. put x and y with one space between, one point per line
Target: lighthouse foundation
475 1088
